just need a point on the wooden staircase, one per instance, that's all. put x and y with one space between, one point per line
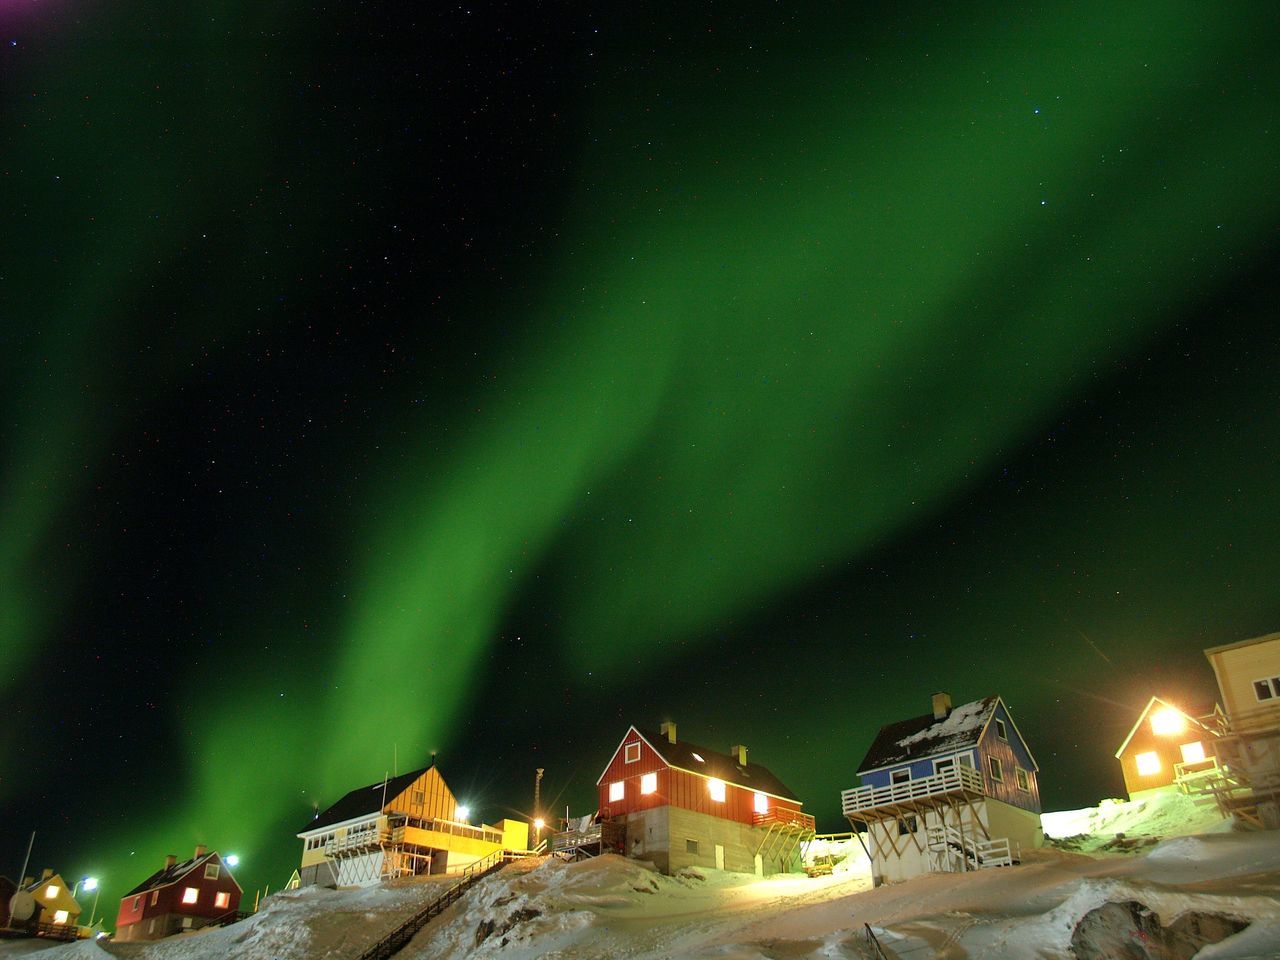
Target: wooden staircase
398 938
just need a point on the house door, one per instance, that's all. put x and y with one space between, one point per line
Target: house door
719 857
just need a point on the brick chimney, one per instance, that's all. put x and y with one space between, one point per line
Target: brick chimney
668 730
739 754
201 850
941 706
169 860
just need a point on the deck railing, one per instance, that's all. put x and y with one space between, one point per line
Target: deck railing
783 817
956 780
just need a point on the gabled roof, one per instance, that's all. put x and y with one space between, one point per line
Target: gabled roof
685 756
169 875
1193 721
1265 638
925 736
364 800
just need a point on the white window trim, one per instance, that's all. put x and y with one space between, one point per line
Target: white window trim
626 753
1022 776
995 768
1270 684
950 763
893 775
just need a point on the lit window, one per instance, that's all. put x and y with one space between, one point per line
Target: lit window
717 789
617 791
60 916
649 783
1192 752
190 894
1001 731
1024 782
1148 763
1168 721
996 768
222 900
51 891
761 803
631 753
211 871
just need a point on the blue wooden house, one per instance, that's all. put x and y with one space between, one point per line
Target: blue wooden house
950 790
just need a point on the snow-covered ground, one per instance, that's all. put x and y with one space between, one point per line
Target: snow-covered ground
1142 822
616 908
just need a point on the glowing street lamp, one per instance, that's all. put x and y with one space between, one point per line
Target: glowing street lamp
90 885
464 814
231 860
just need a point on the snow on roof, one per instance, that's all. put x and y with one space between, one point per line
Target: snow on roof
926 736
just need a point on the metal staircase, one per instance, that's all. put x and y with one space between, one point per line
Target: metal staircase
954 852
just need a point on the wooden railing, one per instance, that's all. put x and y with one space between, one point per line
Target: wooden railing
784 817
956 780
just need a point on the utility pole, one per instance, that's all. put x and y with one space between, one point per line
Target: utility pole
537 794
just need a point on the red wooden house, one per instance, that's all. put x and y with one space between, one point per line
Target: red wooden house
181 896
684 805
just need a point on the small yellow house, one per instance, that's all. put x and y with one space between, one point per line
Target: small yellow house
53 898
403 826
1168 747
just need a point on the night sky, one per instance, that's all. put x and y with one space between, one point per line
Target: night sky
383 379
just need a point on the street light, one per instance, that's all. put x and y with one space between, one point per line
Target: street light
90 885
232 860
464 814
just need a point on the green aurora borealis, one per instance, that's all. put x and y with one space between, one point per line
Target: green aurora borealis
770 372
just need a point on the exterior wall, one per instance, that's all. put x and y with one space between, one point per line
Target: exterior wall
896 856
427 798
1012 754
1237 667
661 835
919 768
1167 747
680 788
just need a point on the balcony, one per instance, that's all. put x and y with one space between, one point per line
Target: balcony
958 781
787 819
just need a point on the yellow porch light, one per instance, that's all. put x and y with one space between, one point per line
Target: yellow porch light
1168 721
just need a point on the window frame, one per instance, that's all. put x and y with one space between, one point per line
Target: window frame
717 789
1199 745
908 825
691 846
1002 730
760 803
905 773
618 787
222 900
217 871
941 763
155 897
1023 779
995 769
1271 685
648 784
190 896
626 752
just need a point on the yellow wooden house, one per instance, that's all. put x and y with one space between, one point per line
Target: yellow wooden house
403 826
1248 674
53 899
1169 748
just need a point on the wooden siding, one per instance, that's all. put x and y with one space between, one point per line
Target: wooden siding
1007 789
1167 747
438 801
676 787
